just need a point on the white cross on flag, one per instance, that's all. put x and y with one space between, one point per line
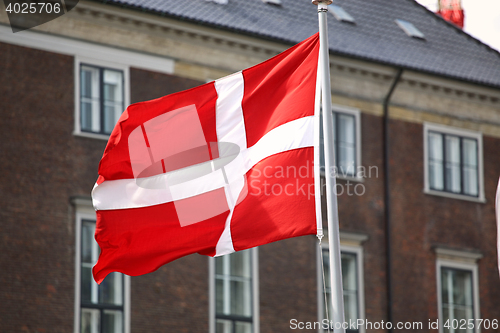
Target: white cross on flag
219 168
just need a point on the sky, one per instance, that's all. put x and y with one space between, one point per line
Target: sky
482 19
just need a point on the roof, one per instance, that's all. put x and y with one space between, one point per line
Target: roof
446 50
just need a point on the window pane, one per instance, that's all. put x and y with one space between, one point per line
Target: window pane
436 180
113 98
89 99
110 290
110 118
453 177
469 161
240 263
88 230
346 129
113 85
219 296
89 77
112 321
445 286
86 284
349 281
350 285
218 265
346 141
321 140
243 327
462 293
223 326
90 321
326 267
86 110
89 256
240 298
351 307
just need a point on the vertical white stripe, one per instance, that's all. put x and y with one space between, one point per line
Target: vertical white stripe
317 152
230 126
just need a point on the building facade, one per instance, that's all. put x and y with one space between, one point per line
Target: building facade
416 137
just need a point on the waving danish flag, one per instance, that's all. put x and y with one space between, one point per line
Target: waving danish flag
219 168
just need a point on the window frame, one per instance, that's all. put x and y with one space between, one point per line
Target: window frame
463 261
255 292
100 65
341 109
350 243
85 212
461 133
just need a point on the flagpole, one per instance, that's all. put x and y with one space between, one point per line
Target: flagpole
331 197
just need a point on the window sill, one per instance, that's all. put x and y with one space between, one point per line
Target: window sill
480 199
92 135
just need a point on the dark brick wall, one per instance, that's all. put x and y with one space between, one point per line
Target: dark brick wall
287 281
364 213
147 85
42 165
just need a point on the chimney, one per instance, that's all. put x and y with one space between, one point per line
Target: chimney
451 11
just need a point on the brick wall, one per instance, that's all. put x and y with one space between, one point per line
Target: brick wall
421 222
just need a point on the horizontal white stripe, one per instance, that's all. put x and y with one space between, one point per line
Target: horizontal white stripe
298 133
125 193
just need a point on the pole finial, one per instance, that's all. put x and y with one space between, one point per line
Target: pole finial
317 2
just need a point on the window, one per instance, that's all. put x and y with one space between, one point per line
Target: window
349 285
456 297
347 142
340 14
453 162
273 2
234 293
101 97
99 308
457 290
410 29
351 258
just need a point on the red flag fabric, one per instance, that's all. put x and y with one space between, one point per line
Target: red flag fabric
219 168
